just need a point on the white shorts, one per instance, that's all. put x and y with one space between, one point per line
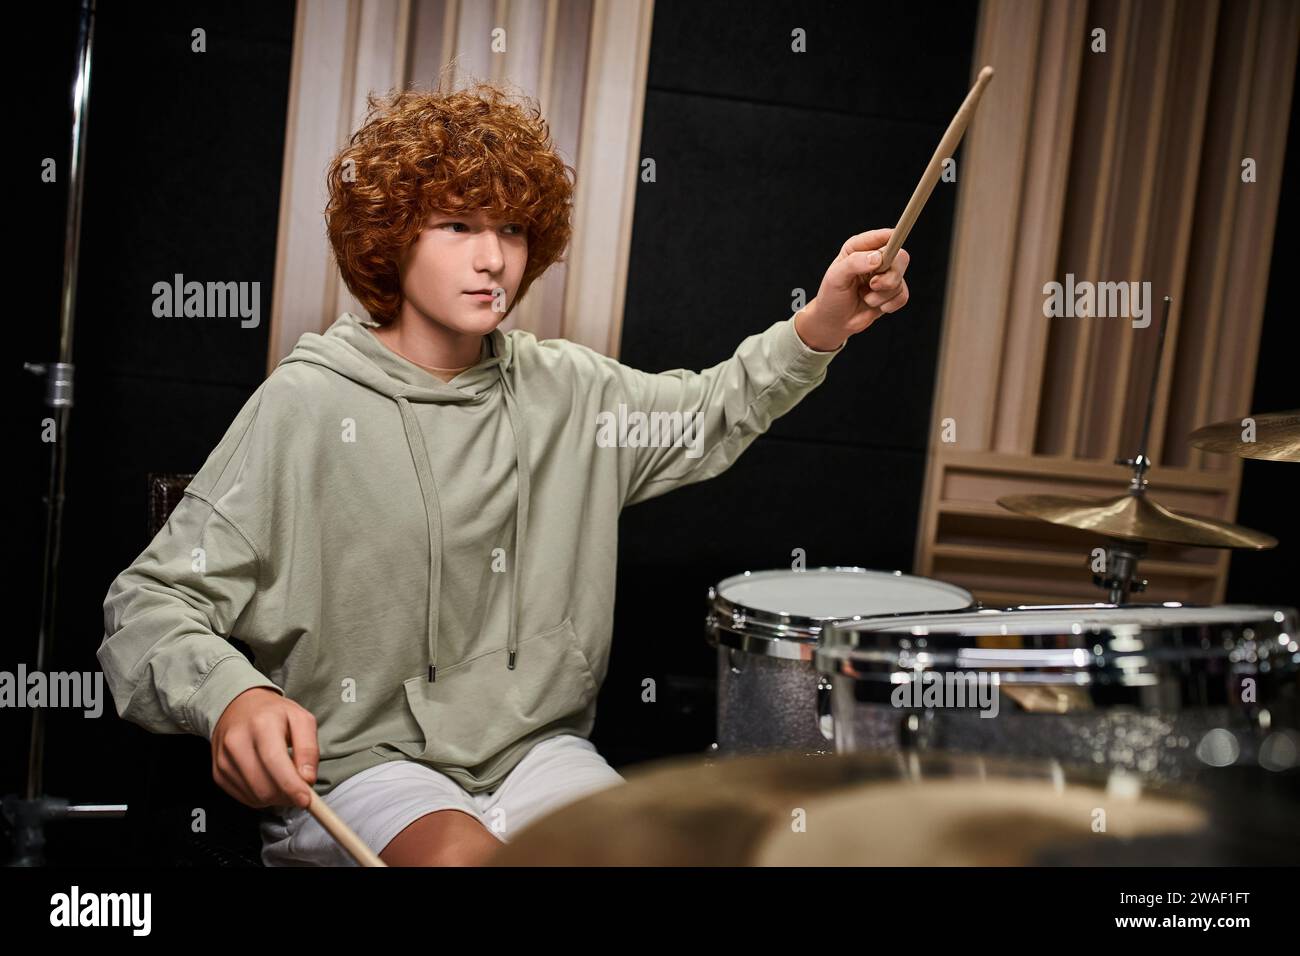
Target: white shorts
381 802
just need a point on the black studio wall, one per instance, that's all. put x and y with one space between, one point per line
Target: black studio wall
767 160
183 168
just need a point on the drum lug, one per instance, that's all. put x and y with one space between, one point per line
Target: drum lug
909 727
825 722
736 658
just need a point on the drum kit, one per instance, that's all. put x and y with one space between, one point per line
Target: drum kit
881 719
877 718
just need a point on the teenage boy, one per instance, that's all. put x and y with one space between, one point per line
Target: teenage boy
413 521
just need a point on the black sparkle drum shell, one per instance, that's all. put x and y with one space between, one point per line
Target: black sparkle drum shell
1164 692
765 626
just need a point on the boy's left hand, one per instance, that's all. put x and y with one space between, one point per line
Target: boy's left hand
852 294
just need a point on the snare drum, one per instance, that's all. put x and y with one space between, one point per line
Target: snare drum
765 625
1160 691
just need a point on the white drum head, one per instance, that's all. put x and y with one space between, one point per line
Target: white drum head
841 593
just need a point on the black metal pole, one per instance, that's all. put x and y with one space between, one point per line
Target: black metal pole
1142 463
29 815
59 387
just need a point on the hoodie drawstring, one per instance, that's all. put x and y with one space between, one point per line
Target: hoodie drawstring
433 518
521 514
433 515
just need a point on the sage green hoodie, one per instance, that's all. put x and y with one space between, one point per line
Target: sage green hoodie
427 567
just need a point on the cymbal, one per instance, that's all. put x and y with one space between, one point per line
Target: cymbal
1277 437
851 809
1137 517
961 823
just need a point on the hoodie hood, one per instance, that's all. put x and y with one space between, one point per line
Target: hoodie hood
349 348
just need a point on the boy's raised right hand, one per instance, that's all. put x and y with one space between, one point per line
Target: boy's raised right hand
250 750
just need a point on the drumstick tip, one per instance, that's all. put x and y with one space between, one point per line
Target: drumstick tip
986 74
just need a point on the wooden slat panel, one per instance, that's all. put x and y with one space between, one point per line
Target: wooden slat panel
618 57
561 76
1010 584
995 463
379 38
975 486
1137 191
525 22
1170 244
431 42
1062 559
472 54
1256 215
522 65
1060 55
1217 193
987 217
1088 214
1152 193
1002 39
1092 392
380 48
564 106
320 82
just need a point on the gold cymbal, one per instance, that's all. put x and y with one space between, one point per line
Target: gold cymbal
846 809
996 822
1277 437
1137 517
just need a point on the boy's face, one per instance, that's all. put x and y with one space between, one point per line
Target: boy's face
457 254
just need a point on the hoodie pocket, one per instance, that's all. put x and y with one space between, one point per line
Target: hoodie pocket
478 707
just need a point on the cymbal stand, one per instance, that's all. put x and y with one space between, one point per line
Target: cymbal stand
1120 578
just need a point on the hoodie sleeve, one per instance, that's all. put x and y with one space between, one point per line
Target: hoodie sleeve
167 618
733 403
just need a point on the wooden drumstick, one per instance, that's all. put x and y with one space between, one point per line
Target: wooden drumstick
343 834
947 146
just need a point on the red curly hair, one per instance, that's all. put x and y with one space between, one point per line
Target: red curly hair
420 152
